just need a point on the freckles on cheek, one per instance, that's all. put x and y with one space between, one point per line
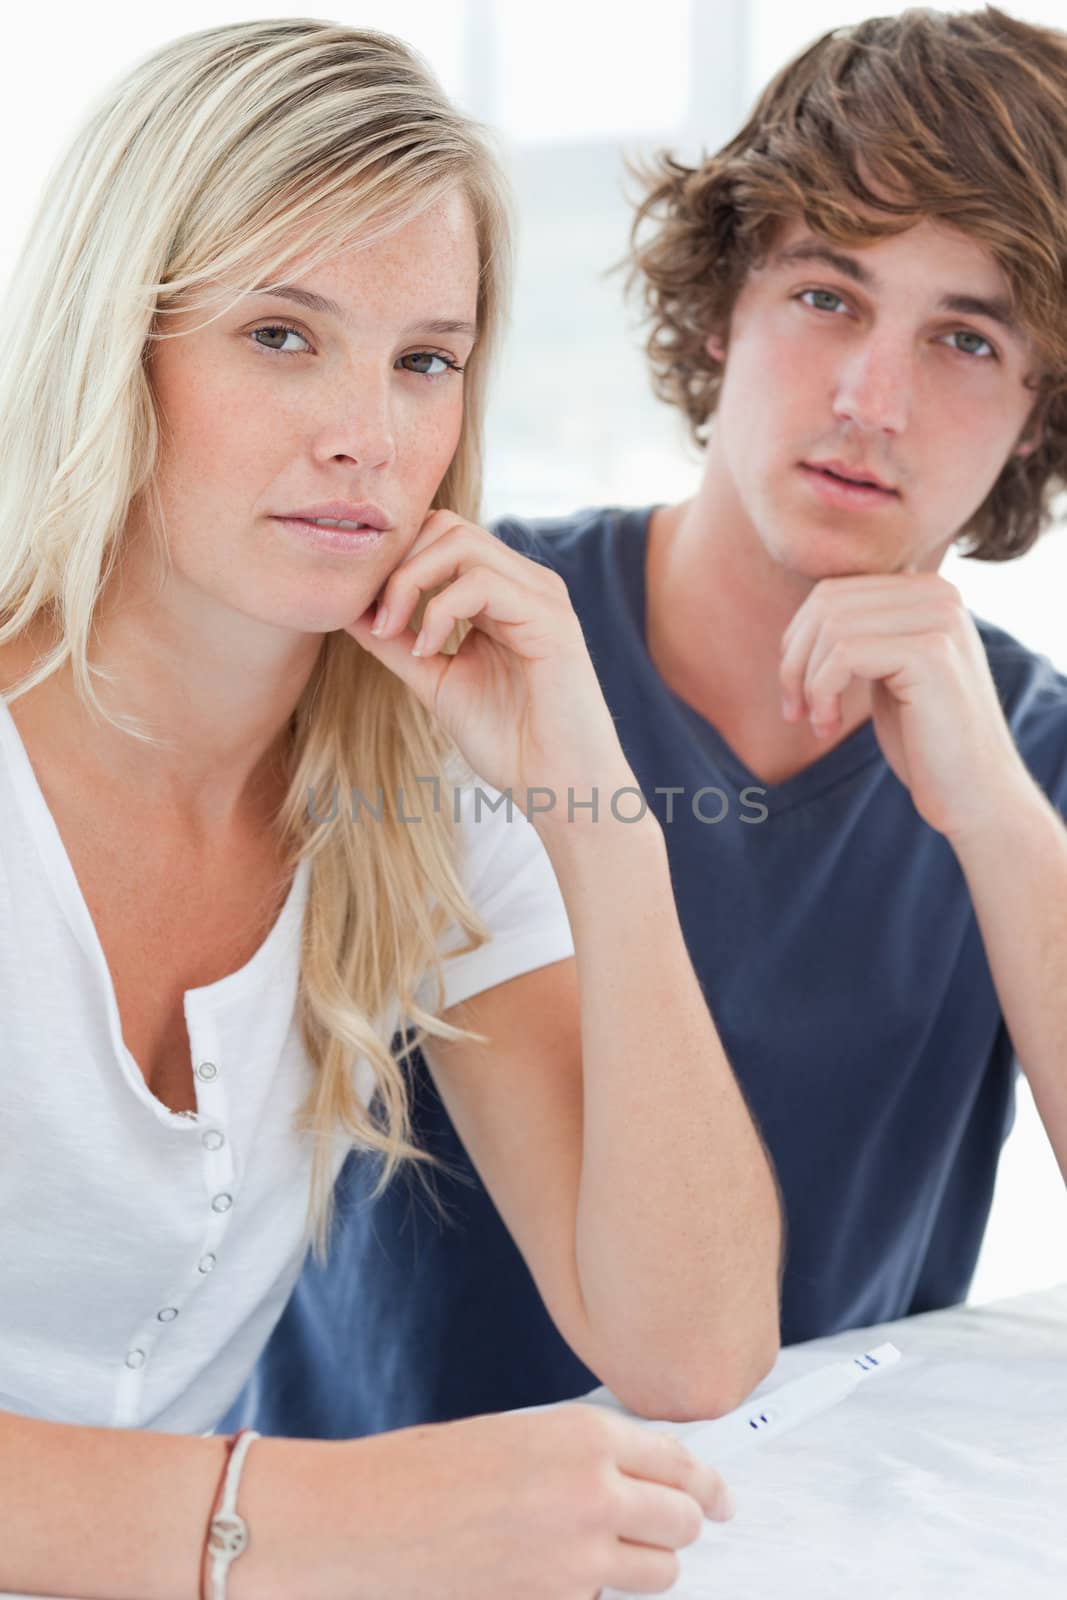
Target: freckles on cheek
431 446
224 428
194 405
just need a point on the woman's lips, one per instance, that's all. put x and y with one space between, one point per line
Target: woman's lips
343 541
836 491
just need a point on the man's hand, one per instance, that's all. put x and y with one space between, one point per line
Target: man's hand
935 706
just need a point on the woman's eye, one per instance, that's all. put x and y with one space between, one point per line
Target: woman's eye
818 298
281 330
421 361
975 339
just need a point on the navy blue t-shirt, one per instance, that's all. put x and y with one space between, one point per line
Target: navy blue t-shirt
833 934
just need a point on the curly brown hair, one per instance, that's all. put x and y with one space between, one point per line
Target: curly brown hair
959 117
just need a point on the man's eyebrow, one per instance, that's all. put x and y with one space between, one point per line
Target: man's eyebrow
997 308
329 308
810 250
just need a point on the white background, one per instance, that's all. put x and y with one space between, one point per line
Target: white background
575 86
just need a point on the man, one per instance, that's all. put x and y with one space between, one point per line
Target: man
860 305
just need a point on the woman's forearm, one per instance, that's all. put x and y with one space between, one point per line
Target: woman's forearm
678 1223
120 1515
113 1513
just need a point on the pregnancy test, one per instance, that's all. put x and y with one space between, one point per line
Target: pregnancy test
794 1402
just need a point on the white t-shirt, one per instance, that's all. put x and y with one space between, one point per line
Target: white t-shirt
146 1255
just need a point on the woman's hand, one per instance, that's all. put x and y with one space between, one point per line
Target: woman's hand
520 697
544 1505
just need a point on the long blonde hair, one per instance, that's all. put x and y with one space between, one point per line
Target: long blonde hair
204 160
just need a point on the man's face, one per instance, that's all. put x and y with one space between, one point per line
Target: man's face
898 361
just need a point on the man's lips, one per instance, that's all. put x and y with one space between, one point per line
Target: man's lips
860 476
847 494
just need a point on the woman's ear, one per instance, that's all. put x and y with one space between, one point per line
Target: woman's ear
715 347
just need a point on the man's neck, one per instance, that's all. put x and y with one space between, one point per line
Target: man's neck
717 608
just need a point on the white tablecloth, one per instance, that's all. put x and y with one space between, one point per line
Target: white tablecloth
944 1478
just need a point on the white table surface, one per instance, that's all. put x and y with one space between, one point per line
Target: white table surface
944 1478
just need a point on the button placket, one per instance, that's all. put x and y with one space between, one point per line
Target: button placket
220 1186
130 1386
217 1156
211 1101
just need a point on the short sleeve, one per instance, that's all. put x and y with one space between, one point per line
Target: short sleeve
509 881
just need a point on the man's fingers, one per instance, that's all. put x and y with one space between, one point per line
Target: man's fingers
871 659
815 640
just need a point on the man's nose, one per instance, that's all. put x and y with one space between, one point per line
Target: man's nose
874 385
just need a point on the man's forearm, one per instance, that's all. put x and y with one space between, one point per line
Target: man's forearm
678 1224
1016 870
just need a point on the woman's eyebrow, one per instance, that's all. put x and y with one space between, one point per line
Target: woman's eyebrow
302 297
330 308
444 325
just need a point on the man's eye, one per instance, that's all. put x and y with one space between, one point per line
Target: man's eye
276 328
975 339
818 298
421 361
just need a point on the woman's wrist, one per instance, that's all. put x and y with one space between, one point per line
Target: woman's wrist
614 835
226 1535
289 1502
614 801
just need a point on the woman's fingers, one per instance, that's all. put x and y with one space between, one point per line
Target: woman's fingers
662 1458
421 676
641 1569
495 602
666 1495
658 1515
444 552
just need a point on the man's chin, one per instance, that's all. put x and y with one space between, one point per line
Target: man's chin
811 555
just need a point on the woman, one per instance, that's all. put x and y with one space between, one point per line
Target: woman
240 459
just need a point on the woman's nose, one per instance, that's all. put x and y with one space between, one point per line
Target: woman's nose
359 425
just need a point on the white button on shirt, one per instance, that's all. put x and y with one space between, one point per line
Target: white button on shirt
144 1256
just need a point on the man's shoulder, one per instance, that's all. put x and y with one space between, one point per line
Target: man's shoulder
568 541
1018 669
1033 694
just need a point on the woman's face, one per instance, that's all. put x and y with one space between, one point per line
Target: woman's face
281 406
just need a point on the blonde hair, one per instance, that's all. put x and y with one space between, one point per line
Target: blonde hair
202 161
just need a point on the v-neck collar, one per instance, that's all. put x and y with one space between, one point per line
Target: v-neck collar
858 750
